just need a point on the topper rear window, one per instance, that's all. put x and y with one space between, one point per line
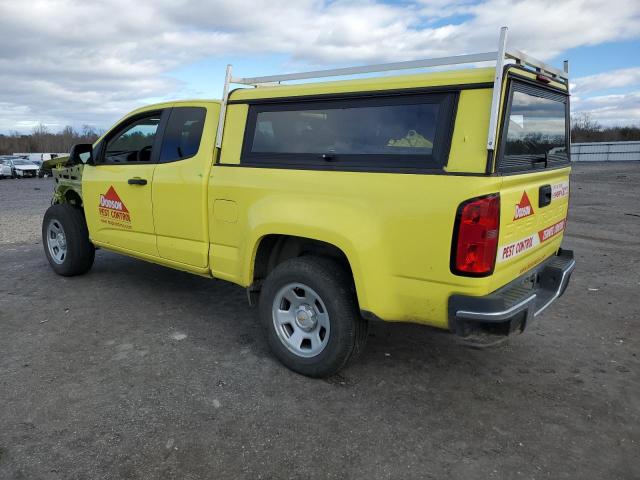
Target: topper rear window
535 131
382 133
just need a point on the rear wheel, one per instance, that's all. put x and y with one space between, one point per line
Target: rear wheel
309 310
66 240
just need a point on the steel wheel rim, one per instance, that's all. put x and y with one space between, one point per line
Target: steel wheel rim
301 320
56 241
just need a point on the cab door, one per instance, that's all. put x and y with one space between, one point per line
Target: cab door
117 188
180 181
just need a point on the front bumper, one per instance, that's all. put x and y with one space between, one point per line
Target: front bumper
514 306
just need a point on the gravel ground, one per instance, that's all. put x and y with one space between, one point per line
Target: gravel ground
140 372
22 205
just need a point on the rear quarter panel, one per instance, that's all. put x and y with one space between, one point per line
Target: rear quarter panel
395 230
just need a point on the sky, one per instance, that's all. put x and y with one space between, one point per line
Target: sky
77 62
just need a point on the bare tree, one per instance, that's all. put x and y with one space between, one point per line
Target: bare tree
39 138
585 122
68 136
40 129
89 132
585 129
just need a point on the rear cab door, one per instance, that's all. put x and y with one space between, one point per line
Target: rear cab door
534 161
180 184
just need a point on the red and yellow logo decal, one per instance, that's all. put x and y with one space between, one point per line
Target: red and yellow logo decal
524 208
113 211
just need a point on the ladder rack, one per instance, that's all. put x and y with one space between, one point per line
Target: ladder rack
501 57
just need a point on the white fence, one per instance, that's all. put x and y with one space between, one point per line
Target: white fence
605 151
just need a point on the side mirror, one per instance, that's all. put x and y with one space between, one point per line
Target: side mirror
81 153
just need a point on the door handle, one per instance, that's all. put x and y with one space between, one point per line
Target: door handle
544 196
137 181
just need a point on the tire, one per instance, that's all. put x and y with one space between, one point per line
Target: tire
72 253
323 297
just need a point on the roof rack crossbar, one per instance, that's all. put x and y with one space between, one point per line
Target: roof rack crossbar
380 67
500 57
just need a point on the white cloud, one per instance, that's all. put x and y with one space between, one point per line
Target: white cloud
546 28
65 61
611 110
625 77
615 109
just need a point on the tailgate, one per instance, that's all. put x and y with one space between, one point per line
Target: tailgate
534 163
532 221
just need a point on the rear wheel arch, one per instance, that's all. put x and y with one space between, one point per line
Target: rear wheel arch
273 249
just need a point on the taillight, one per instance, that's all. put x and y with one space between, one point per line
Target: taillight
475 236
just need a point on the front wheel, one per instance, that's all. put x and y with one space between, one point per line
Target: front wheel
66 240
309 310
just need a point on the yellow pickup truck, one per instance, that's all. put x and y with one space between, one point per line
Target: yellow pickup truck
436 198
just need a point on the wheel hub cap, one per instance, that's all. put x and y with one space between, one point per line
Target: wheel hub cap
56 241
306 318
301 320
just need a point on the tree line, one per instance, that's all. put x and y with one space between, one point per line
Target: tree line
41 140
585 129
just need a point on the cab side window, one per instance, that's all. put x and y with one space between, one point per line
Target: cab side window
183 133
134 143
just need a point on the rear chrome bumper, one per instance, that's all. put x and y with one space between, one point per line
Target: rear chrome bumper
517 303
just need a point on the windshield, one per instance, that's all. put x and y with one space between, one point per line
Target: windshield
22 162
536 134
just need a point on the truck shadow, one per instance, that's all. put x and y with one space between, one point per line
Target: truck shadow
392 348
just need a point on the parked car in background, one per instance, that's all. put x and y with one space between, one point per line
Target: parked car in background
21 168
5 168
